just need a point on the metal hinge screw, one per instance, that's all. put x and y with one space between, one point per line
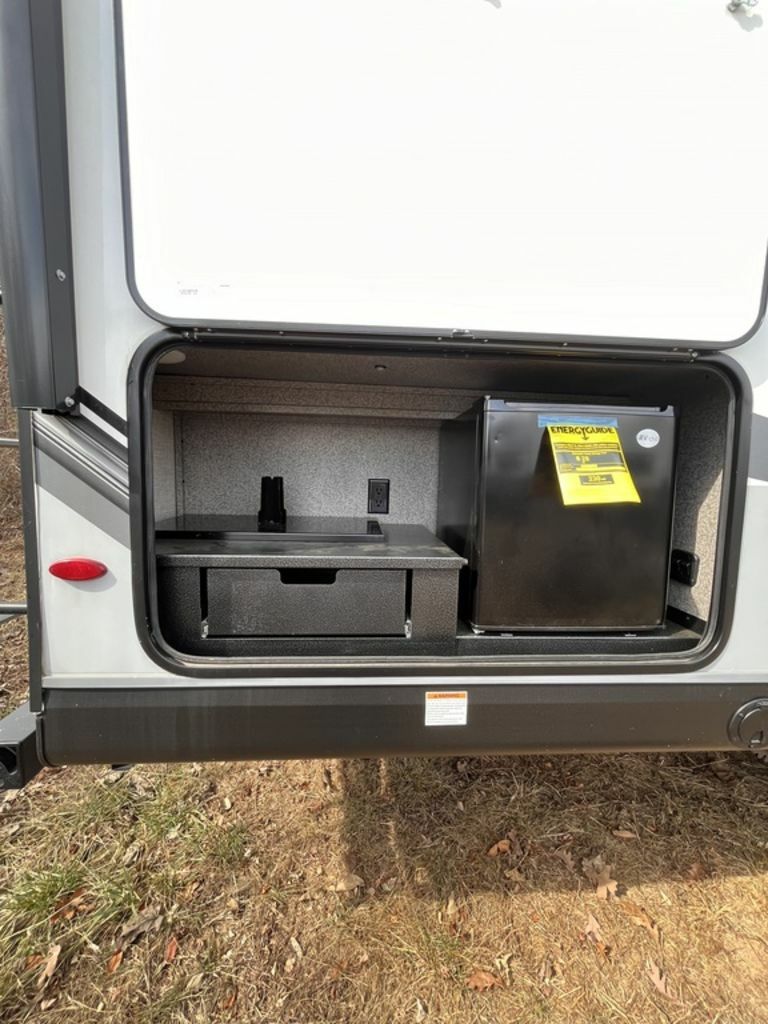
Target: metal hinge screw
61 275
70 402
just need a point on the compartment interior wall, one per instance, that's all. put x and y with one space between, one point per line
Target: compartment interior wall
329 422
326 462
702 433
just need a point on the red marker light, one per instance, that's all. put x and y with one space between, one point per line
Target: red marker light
78 569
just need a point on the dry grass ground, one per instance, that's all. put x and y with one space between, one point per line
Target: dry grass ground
363 891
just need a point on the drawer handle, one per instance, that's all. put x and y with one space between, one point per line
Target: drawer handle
316 577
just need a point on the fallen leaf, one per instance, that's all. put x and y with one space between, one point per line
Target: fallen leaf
451 912
113 777
296 947
503 846
348 883
697 871
229 1000
607 888
722 769
33 961
132 853
624 833
514 875
548 971
114 961
592 929
46 1004
482 981
640 916
564 854
599 874
420 1011
453 915
171 950
661 981
503 963
290 965
593 934
68 906
50 966
226 803
338 970
146 921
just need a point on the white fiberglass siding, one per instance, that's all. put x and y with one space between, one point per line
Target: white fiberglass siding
574 166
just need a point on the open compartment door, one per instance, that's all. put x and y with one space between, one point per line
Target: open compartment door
580 169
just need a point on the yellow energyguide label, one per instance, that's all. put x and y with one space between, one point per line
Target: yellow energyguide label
590 464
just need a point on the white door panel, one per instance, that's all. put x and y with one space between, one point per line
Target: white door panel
574 166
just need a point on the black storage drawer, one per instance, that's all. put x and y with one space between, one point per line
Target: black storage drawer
306 602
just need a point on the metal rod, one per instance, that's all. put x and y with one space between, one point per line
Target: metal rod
12 609
9 442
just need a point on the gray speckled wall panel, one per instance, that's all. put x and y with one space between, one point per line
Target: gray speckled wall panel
213 394
702 428
326 462
164 463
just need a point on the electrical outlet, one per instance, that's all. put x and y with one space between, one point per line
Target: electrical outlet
378 497
684 567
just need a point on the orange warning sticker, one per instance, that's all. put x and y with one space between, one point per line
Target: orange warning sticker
445 707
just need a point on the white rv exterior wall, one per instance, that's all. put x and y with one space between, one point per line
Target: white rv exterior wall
89 632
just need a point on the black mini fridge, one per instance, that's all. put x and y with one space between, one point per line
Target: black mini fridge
534 562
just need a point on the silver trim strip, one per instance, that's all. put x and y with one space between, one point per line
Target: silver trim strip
88 502
86 453
81 466
129 682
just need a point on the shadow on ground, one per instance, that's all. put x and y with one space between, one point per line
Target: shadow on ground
431 822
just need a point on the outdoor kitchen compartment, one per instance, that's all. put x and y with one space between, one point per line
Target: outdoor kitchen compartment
555 584
536 563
